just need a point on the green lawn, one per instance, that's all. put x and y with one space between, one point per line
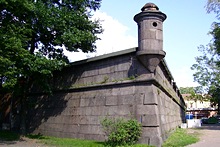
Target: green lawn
181 138
69 142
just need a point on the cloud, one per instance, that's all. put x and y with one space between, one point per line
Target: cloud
184 77
114 38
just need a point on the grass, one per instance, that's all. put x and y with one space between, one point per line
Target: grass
181 138
9 136
68 142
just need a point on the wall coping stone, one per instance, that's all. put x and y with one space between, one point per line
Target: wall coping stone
118 53
105 56
151 80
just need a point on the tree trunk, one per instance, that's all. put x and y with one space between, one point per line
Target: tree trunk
218 104
24 105
23 115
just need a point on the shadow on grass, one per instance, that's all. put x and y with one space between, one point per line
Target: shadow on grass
36 136
59 142
8 136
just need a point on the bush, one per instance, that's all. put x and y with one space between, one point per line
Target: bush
212 120
120 131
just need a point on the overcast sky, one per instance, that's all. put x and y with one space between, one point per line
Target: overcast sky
186 27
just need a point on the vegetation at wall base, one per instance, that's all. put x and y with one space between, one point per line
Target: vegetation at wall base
8 135
181 138
58 142
66 142
120 131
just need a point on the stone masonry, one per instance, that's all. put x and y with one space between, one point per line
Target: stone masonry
133 83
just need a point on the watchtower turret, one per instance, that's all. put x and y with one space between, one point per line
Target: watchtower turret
150 36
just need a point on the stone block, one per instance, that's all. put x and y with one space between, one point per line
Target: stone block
159 35
66 119
70 128
139 98
72 111
151 44
121 110
123 67
104 70
150 131
90 129
147 109
90 73
73 103
111 101
81 136
74 119
149 34
81 111
118 76
164 119
144 140
97 101
127 90
84 102
92 120
126 100
156 141
98 111
149 120
150 95
101 79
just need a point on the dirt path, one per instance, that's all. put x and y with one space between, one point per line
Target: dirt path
210 136
23 142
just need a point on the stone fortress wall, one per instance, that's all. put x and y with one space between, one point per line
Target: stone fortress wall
133 83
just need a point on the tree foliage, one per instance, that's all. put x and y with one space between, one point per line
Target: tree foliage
195 93
187 90
207 67
34 34
33 37
213 6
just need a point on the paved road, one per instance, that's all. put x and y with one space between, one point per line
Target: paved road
210 136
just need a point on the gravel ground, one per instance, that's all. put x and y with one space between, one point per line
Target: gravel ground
210 136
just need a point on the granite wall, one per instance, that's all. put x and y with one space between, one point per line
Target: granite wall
113 85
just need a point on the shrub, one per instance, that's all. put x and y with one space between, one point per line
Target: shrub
212 120
120 131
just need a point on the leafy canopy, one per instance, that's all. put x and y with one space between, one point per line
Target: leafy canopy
34 34
207 67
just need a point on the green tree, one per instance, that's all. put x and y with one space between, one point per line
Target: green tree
190 90
207 67
195 93
33 37
187 90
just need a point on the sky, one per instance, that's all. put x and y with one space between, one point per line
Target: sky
185 29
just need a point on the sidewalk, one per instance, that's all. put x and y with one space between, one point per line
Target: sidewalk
210 136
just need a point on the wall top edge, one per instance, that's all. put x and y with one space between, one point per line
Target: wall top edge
164 63
105 56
